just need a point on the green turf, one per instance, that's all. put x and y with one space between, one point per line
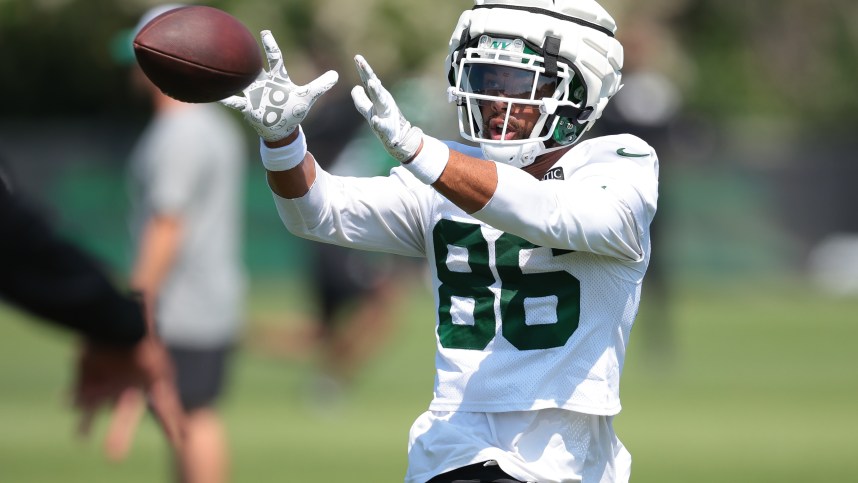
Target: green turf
761 386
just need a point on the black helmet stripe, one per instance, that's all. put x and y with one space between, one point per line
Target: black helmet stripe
549 13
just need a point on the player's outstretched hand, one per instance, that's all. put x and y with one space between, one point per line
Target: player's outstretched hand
126 378
273 104
376 104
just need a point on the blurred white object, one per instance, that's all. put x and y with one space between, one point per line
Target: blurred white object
833 264
648 98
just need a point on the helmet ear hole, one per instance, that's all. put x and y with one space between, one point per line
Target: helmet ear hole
566 132
568 129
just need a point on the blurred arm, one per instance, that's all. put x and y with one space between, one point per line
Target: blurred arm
126 379
53 279
159 246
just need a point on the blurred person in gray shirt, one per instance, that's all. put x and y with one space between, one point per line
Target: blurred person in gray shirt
185 183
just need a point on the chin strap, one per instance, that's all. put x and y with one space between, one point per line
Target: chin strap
551 54
516 155
552 149
577 115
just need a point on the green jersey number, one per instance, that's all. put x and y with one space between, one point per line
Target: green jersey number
515 287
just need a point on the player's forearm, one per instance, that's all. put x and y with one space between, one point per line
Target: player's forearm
468 182
296 182
291 169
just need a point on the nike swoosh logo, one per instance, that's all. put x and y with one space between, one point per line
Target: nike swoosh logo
622 152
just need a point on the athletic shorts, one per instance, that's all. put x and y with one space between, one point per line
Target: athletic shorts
545 446
482 471
200 374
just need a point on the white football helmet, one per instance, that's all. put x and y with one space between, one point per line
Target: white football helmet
531 76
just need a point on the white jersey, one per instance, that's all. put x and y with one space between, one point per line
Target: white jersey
536 293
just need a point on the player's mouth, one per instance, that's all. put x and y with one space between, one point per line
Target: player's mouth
495 129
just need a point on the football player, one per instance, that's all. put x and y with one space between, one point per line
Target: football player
537 241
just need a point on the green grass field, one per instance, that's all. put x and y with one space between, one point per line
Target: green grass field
761 386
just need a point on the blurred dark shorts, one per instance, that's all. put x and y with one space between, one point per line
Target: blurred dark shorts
342 275
200 374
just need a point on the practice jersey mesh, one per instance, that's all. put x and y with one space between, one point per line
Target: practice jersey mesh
537 315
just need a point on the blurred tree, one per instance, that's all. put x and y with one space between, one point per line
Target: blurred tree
63 46
51 49
790 59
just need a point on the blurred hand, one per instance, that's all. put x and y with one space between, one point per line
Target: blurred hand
376 105
273 104
125 378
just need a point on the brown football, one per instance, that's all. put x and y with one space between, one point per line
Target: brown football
198 54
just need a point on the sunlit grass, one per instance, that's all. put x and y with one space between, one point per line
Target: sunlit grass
760 386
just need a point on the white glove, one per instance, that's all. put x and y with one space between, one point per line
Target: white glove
376 104
273 104
400 138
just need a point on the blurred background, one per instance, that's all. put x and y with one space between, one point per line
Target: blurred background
743 365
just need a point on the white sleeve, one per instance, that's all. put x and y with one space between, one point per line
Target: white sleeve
601 212
379 213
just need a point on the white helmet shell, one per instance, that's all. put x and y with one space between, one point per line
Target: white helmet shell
586 43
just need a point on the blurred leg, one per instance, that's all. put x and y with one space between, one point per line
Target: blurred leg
205 458
367 330
201 376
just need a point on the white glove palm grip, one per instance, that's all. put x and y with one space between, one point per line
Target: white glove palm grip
274 105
